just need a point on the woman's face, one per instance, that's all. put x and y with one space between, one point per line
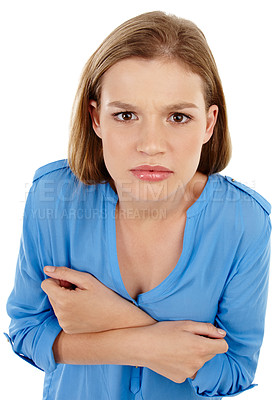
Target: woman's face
152 113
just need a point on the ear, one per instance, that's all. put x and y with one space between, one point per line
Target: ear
211 120
95 117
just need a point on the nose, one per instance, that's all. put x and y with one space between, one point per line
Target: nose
151 139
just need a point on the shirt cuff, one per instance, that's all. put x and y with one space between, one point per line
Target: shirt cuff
43 354
28 360
210 381
43 357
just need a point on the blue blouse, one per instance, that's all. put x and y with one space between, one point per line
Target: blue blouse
221 277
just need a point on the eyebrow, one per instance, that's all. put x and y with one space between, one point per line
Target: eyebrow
180 106
176 106
119 104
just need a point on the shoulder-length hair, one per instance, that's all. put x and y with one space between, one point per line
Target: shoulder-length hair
149 35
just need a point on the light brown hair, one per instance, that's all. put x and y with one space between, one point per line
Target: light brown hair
150 35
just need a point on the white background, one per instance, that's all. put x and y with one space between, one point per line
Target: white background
44 46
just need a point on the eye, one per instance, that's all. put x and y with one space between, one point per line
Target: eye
179 118
125 116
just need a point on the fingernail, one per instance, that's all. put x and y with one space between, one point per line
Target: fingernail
221 332
49 268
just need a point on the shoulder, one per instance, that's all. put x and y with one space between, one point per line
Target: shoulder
247 192
241 210
53 181
229 193
55 185
51 167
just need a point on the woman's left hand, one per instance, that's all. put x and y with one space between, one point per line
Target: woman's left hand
81 302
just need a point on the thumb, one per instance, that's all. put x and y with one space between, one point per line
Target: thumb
76 278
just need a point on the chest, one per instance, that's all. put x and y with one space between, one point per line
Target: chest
145 262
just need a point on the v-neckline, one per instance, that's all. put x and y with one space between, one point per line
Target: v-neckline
155 293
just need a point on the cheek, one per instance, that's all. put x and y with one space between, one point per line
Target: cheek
187 153
114 153
116 140
190 145
108 138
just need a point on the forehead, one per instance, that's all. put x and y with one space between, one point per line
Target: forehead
136 78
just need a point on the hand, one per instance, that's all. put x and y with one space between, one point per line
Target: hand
178 349
90 307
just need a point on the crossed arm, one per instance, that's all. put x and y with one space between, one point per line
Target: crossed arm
100 327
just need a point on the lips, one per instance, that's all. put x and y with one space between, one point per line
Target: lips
151 173
151 168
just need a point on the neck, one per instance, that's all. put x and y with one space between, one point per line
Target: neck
148 213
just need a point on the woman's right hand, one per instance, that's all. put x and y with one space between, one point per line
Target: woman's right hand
178 349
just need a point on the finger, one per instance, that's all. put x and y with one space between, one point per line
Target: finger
74 277
52 288
66 285
204 329
216 346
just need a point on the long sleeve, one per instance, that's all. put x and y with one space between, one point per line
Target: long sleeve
241 313
33 327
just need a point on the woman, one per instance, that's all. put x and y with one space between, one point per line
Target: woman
163 262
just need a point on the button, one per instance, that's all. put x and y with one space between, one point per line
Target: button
233 180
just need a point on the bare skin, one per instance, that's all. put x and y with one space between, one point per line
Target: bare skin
174 349
151 112
91 306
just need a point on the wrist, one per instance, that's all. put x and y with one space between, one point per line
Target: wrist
135 317
127 346
126 315
138 345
